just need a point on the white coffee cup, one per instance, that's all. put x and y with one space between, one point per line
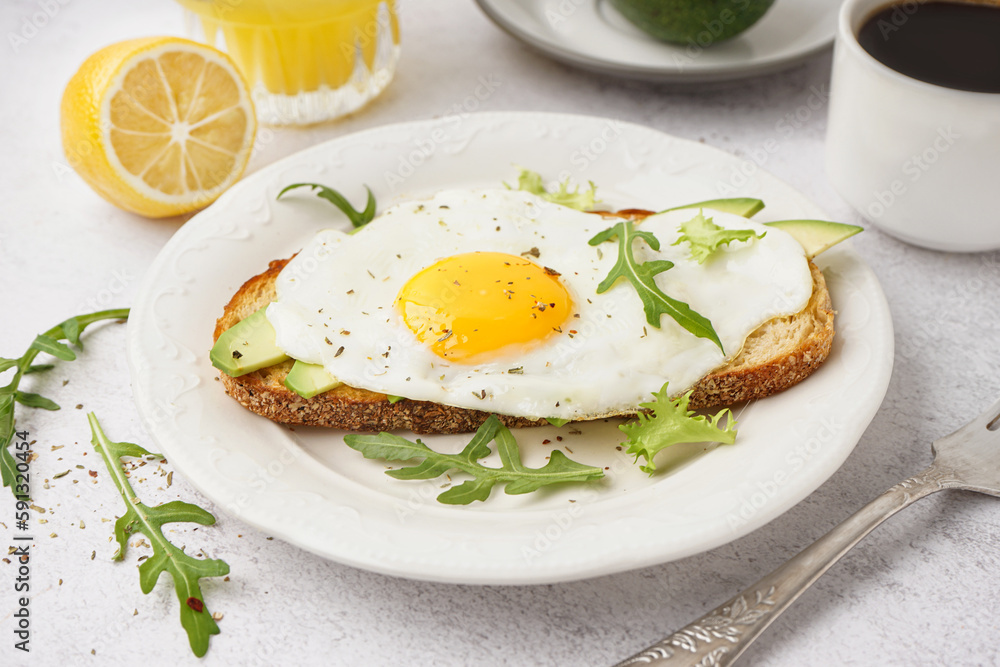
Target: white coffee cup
920 161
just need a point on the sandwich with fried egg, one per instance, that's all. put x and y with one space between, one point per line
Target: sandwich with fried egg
443 311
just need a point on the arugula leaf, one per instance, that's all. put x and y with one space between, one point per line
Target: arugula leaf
669 422
186 571
395 399
518 478
642 276
35 401
557 422
48 342
531 181
357 218
705 237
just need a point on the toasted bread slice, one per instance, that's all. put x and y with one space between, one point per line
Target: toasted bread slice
779 354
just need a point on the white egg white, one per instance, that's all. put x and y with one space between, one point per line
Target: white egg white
335 307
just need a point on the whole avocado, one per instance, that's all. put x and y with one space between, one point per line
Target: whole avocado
703 22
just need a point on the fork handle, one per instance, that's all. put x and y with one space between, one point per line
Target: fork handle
719 637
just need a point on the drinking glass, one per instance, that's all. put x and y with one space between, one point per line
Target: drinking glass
306 61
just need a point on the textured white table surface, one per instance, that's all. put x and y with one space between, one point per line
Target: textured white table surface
922 590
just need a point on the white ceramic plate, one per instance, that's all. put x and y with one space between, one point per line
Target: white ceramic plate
593 35
306 487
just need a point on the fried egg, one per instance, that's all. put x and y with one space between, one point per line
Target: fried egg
488 300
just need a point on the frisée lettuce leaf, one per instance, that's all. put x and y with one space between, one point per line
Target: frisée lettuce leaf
669 422
531 181
705 237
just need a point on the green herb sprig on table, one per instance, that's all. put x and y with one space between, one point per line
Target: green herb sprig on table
518 478
643 277
49 342
704 237
358 218
669 422
186 571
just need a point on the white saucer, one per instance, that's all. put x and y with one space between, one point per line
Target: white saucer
593 35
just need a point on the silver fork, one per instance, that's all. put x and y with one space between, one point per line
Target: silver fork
967 459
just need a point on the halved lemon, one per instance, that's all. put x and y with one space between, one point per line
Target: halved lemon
159 126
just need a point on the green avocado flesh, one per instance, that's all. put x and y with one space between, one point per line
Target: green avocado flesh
701 22
307 380
742 206
815 236
247 346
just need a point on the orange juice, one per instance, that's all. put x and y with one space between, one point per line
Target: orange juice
306 60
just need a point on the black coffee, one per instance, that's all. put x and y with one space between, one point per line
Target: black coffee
951 44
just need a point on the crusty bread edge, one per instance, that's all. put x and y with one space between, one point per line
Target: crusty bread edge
732 384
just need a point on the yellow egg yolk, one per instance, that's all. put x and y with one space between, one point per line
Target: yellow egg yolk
482 306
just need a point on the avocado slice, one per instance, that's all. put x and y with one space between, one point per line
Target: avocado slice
816 235
742 206
307 380
247 346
